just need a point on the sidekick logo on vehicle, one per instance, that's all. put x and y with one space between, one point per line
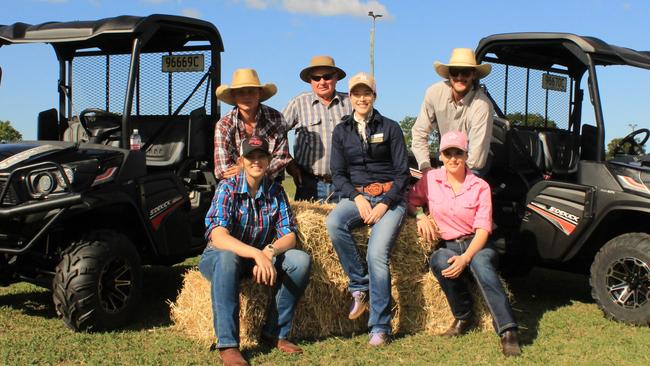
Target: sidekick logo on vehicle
561 219
158 213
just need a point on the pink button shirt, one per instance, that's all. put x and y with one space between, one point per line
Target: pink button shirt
455 214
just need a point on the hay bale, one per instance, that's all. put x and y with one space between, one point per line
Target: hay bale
419 303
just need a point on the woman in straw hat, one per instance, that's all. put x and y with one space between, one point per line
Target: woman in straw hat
370 169
248 117
456 104
461 209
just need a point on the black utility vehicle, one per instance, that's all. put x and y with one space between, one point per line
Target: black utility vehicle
558 202
80 211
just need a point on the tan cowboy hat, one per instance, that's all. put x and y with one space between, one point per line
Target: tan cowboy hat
321 61
245 78
462 57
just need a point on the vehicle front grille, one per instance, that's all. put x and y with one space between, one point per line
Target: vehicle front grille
10 197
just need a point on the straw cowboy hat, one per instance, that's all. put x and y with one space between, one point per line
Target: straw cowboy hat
320 61
462 57
245 78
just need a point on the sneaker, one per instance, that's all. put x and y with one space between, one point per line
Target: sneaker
359 305
378 339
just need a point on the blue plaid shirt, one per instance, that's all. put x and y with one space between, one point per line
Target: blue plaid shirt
252 220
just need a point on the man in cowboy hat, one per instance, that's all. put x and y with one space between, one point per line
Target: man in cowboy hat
456 104
313 115
248 117
240 230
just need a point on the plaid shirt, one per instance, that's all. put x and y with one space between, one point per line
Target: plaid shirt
230 131
314 123
253 220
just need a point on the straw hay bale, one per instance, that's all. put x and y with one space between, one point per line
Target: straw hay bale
419 303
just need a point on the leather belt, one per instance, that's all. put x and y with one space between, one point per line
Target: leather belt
375 189
463 238
324 178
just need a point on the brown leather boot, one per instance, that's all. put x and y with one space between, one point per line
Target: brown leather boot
232 357
510 343
283 345
458 327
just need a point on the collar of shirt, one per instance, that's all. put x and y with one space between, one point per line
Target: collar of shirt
259 121
465 100
440 175
242 185
351 121
335 99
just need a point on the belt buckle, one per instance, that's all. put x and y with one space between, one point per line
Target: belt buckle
374 189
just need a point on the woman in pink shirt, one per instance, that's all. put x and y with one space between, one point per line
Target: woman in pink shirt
460 205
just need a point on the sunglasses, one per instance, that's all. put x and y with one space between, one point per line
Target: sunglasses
448 153
465 71
325 77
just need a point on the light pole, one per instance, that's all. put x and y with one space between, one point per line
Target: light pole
632 126
372 42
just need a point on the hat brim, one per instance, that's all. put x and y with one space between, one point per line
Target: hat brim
224 92
482 70
305 73
453 146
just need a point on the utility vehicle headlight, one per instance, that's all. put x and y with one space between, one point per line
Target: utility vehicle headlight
48 181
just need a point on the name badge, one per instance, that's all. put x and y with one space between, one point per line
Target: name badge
376 138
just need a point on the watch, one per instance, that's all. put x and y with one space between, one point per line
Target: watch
272 248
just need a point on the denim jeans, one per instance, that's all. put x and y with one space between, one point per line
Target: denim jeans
374 278
224 270
315 189
483 269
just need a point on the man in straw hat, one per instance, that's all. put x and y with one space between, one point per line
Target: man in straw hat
248 117
456 104
248 211
313 115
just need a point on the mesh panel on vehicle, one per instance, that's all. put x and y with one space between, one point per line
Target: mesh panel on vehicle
100 81
519 93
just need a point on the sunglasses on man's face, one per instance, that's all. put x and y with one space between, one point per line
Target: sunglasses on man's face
326 77
465 71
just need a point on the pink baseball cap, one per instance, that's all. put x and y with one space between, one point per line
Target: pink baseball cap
455 139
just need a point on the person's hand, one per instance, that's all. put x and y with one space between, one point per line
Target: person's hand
376 213
457 265
294 171
264 271
427 228
231 171
363 206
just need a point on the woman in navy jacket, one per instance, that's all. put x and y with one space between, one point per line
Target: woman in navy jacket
369 167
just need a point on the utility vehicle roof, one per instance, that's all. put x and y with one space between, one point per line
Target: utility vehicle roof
114 35
542 50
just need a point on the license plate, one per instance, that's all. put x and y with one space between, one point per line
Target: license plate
182 63
554 82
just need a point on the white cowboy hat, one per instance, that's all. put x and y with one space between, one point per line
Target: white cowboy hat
245 78
462 57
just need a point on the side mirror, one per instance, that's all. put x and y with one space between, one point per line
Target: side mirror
0 75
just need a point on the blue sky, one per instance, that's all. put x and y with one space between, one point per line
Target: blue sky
278 37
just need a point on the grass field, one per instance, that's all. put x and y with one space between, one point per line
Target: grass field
559 326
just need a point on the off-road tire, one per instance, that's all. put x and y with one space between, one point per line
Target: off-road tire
98 282
620 278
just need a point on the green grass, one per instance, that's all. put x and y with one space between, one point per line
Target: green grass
560 325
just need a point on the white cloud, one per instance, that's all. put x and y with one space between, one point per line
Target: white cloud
192 13
323 7
627 6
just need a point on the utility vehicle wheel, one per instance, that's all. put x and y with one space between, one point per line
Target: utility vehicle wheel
98 282
620 278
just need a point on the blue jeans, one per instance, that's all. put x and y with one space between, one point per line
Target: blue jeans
224 270
374 278
313 188
483 269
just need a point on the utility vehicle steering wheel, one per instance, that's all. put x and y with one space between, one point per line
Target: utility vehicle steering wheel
635 146
99 124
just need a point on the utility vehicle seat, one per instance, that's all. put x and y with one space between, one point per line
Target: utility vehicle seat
560 151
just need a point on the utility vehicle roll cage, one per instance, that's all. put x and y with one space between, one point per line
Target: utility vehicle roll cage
129 35
567 54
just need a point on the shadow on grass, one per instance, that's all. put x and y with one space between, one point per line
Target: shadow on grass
541 291
161 285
